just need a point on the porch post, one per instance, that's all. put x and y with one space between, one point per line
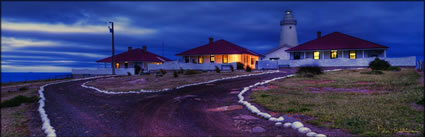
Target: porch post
363 54
305 55
385 53
342 51
323 55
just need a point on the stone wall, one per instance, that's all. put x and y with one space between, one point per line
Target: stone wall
102 71
339 62
177 65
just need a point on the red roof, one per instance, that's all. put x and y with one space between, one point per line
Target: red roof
136 55
218 47
336 40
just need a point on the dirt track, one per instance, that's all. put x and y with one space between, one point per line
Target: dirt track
77 111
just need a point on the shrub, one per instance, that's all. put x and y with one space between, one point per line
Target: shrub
137 69
217 69
191 72
18 100
378 64
175 74
394 68
23 88
163 72
239 66
128 73
309 71
374 72
248 69
421 102
231 68
181 71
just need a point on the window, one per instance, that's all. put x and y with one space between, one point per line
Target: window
186 59
352 54
225 58
316 55
252 61
117 65
333 54
297 55
126 64
212 59
200 60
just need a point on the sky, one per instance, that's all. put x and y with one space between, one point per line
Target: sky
60 36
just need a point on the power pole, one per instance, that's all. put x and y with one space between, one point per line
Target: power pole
111 29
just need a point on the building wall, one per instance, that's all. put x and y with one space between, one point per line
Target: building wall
343 54
231 58
280 53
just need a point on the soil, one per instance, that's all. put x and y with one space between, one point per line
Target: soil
77 111
318 81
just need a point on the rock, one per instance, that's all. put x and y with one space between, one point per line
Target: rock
287 125
304 130
320 135
258 129
297 125
311 134
278 124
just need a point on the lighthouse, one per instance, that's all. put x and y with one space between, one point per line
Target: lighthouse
288 30
288 38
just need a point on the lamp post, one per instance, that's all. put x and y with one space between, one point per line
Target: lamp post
111 29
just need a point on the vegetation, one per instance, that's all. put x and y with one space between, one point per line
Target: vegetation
137 69
175 74
181 71
374 72
23 88
248 69
309 71
128 74
394 68
192 72
231 68
378 64
18 100
163 72
217 69
366 105
239 66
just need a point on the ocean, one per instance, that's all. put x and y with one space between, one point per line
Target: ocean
7 77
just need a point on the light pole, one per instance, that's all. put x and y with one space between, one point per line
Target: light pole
111 29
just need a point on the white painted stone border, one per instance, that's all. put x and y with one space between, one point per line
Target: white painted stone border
46 126
167 89
295 125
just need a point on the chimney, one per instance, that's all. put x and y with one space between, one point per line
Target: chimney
130 48
144 47
319 34
211 39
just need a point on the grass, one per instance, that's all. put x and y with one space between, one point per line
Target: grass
386 110
18 100
14 121
151 82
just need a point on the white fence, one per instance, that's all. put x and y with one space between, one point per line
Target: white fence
102 71
190 66
341 62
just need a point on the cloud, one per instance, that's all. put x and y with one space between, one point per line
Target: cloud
12 68
80 26
9 43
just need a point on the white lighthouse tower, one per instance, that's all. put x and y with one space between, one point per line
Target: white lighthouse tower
288 38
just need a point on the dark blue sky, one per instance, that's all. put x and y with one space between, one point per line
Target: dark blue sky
58 36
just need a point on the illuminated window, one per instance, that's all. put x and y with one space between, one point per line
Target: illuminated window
333 54
117 65
212 59
157 63
200 60
316 55
225 58
352 54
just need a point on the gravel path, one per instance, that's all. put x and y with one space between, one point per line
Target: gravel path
77 111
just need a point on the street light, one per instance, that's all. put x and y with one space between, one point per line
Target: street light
111 29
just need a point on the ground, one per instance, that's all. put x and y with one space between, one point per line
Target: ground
363 104
152 82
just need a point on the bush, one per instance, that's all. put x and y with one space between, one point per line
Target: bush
191 72
175 74
128 73
421 102
18 100
163 72
239 66
231 68
217 69
373 72
394 68
378 64
309 71
181 71
137 69
248 69
23 88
